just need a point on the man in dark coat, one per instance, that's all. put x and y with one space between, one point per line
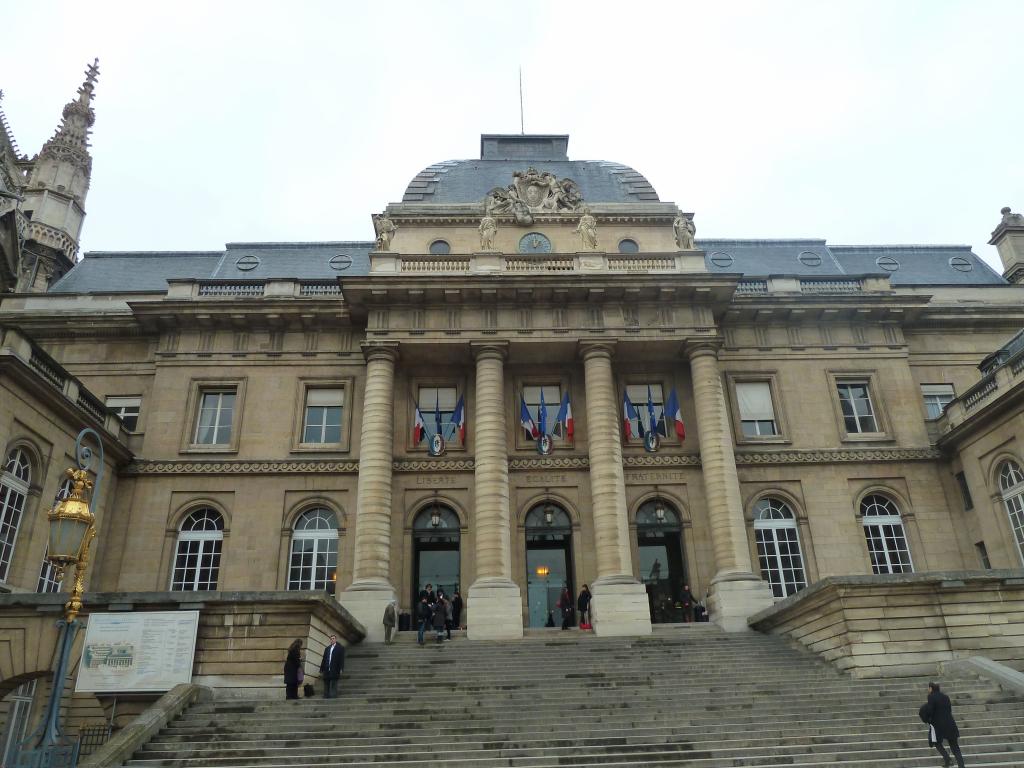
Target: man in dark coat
457 610
938 713
331 667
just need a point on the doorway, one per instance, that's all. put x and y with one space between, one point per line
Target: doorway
436 554
548 564
659 534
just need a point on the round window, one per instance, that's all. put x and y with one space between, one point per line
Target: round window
809 259
440 247
721 259
961 264
248 262
888 263
340 262
628 246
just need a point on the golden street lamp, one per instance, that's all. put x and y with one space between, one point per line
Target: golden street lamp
72 529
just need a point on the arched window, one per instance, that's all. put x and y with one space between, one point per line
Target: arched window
14 481
1011 483
49 574
883 529
197 559
546 521
778 547
314 561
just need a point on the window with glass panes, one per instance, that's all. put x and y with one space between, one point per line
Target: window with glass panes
197 556
14 482
1011 483
434 400
936 397
778 547
638 397
127 410
322 420
216 411
855 401
883 529
314 556
757 414
49 574
552 401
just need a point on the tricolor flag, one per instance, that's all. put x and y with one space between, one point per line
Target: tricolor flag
629 415
673 412
529 426
563 421
459 420
437 415
652 422
419 429
542 415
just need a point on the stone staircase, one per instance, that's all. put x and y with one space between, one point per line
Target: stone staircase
688 695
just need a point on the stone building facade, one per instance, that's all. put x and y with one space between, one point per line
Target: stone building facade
277 403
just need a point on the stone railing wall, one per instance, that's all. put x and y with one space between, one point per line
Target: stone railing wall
905 624
993 387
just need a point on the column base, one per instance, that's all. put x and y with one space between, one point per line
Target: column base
494 610
620 608
367 606
734 599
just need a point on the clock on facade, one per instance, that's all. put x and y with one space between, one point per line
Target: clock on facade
534 242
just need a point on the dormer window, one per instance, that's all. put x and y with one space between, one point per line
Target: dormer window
440 248
628 246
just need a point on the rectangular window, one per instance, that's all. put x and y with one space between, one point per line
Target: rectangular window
965 492
49 576
757 414
322 421
216 411
552 400
982 551
127 410
437 400
936 397
638 396
855 401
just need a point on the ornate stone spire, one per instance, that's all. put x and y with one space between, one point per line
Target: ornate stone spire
70 143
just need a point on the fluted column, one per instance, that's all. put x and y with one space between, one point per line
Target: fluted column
736 592
494 608
371 589
619 604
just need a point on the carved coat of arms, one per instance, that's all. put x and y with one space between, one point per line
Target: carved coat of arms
533 191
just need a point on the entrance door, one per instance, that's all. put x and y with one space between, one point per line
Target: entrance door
548 563
662 566
436 556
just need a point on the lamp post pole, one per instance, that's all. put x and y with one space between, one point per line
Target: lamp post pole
72 529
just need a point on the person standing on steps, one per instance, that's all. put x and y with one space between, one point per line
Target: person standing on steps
293 674
565 605
583 606
688 601
390 619
937 712
457 610
449 612
423 614
439 617
331 667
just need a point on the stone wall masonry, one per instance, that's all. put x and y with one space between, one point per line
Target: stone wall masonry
905 624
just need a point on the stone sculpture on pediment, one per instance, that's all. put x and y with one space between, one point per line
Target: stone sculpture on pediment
685 231
385 229
533 191
488 229
587 230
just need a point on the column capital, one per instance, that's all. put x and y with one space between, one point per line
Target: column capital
483 350
379 350
702 348
591 349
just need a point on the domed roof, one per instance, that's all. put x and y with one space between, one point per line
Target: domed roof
468 181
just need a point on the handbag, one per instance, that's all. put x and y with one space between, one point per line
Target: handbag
300 675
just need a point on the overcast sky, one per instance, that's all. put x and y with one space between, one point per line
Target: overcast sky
861 122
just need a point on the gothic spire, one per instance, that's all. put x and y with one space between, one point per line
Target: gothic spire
71 139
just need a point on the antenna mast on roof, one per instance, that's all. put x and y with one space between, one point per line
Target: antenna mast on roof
522 127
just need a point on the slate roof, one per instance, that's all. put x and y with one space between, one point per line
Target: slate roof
903 264
142 272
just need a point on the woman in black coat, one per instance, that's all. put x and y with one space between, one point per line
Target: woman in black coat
293 670
938 713
583 606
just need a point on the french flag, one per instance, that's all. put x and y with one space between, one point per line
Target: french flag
529 425
459 420
419 429
629 415
672 411
563 421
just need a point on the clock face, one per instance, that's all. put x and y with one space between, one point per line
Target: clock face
534 242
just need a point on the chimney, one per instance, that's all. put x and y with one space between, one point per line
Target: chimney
1008 238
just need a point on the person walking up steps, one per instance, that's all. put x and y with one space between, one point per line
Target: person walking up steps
938 713
390 619
439 617
423 614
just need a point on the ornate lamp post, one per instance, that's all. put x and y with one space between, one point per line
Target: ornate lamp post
72 529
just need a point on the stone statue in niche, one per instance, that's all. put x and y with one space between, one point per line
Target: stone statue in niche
488 229
533 191
685 232
587 230
385 229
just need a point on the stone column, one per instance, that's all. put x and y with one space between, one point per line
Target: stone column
619 604
371 589
494 607
736 592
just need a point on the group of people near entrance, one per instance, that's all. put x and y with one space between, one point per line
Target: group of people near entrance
331 666
435 611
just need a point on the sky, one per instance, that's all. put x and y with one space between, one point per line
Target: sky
873 122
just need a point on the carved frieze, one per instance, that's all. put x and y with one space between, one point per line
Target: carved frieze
533 191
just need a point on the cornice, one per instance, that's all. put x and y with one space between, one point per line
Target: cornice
654 460
287 467
434 465
838 455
